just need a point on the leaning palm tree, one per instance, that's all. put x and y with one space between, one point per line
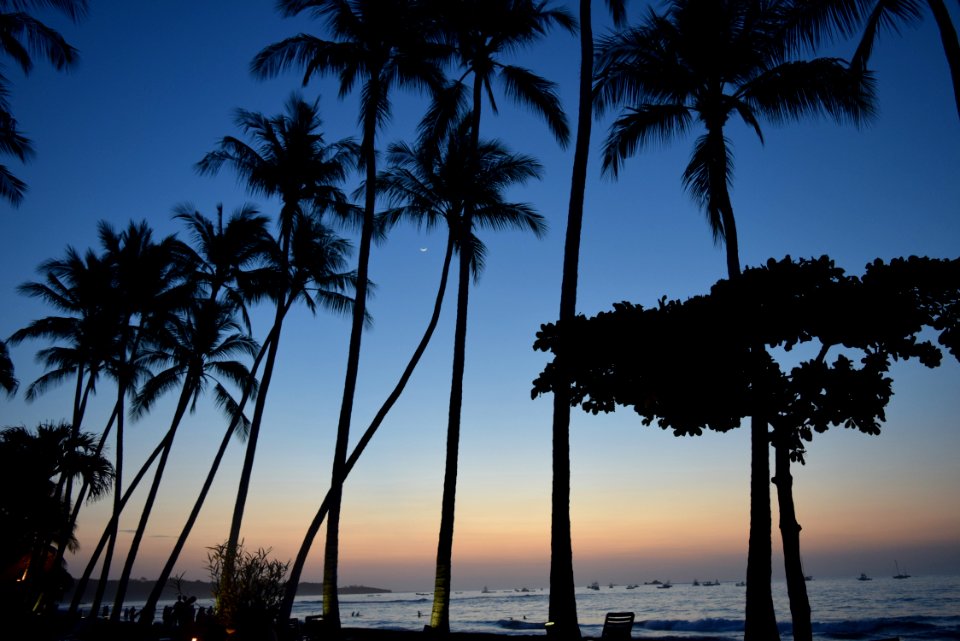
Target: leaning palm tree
462 187
196 349
563 602
382 44
288 158
22 37
702 62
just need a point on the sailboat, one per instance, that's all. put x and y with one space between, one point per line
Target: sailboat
899 574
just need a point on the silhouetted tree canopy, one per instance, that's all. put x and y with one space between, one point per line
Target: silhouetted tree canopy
687 364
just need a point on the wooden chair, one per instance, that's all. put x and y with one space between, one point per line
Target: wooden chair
617 625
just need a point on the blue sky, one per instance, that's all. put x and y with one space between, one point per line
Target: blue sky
158 82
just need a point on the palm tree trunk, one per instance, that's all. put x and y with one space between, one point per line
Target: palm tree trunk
117 507
331 601
760 621
188 384
951 46
563 602
790 534
114 519
440 616
296 569
246 472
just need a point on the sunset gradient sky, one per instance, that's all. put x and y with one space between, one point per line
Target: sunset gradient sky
117 140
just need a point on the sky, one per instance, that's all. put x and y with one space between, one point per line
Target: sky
117 140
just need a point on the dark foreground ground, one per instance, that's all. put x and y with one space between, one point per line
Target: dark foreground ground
102 630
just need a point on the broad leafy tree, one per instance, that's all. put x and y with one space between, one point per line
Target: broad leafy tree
23 37
380 44
699 63
651 360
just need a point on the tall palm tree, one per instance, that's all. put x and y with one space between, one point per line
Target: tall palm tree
22 37
289 158
480 33
704 61
198 348
149 282
441 187
563 603
8 379
382 44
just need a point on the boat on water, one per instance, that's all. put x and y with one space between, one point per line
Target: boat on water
695 582
632 586
594 586
664 585
808 577
899 574
863 577
654 582
710 584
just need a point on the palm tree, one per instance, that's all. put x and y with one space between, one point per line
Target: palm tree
705 61
290 159
438 187
198 347
149 284
563 603
21 37
79 287
38 465
229 257
8 380
480 32
381 43
817 19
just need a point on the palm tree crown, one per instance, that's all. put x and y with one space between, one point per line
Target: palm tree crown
21 38
705 61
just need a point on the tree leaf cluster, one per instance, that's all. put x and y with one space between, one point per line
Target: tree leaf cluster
707 362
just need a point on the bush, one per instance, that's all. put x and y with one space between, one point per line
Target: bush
248 599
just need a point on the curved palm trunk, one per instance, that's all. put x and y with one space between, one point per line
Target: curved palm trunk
114 518
147 613
440 616
296 569
243 486
563 602
951 46
151 498
331 601
790 534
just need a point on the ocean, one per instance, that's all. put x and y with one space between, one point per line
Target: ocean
918 608
922 608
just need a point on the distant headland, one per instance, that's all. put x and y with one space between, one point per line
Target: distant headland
139 589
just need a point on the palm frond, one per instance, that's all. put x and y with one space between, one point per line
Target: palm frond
641 126
540 95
